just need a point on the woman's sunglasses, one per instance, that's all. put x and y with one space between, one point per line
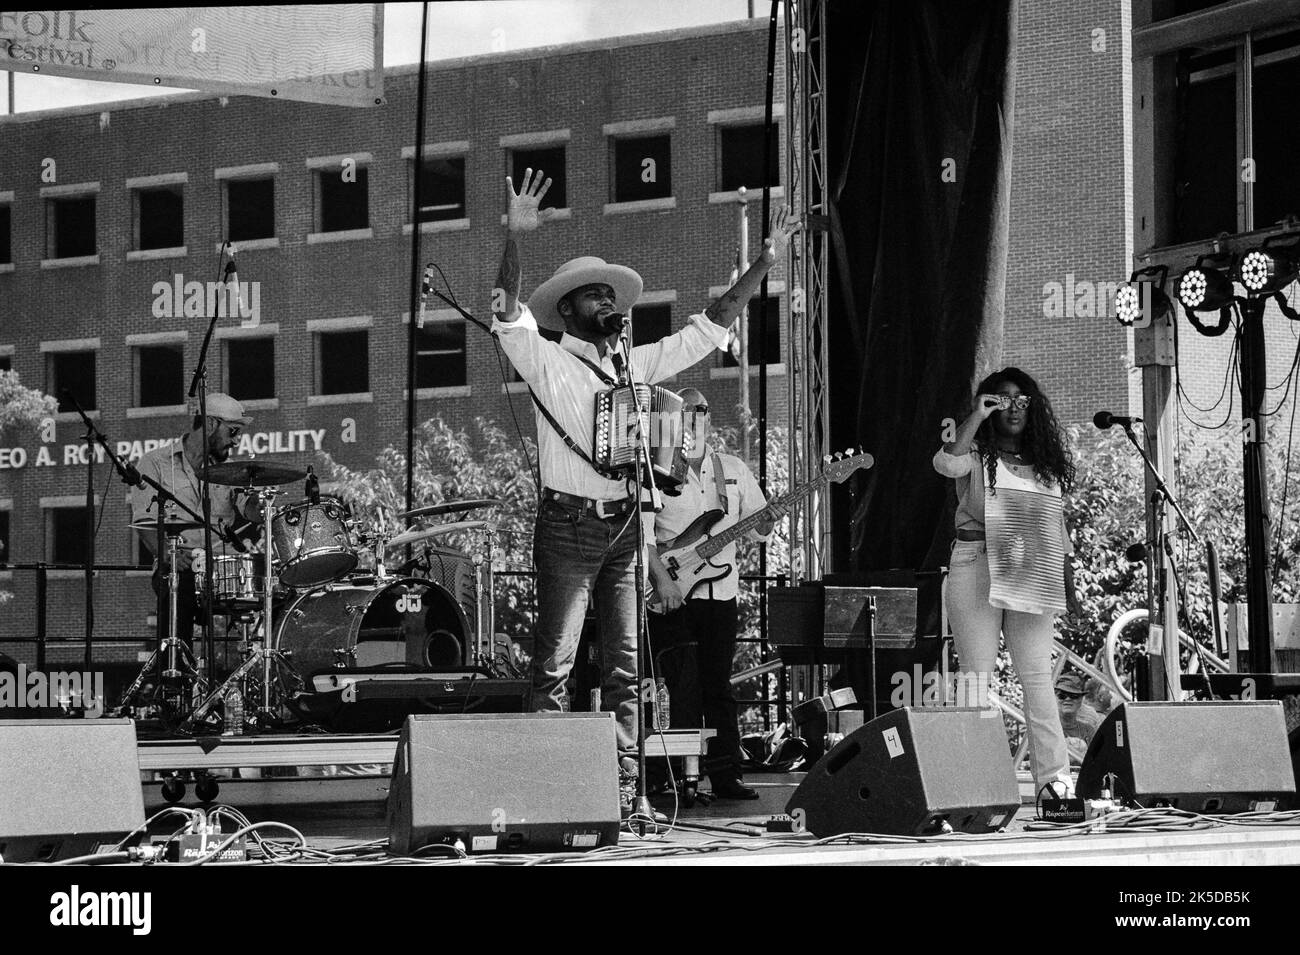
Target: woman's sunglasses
1019 402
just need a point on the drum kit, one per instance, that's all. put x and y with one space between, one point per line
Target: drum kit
319 606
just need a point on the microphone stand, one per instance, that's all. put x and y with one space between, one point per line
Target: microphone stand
643 812
1161 546
90 532
132 477
199 385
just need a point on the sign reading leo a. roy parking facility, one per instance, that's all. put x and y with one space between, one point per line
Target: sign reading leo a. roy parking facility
259 442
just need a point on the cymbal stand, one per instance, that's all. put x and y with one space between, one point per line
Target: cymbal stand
272 663
176 659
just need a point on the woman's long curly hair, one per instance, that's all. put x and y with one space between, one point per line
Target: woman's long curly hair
1041 443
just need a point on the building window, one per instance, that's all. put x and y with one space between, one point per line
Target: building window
642 168
1276 128
67 528
160 217
343 363
6 244
550 160
70 227
250 368
159 375
250 209
344 203
762 348
72 371
1205 192
651 323
6 363
442 189
440 355
740 157
5 556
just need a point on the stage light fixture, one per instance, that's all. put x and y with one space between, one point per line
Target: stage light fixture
1145 289
1207 287
1206 290
1271 267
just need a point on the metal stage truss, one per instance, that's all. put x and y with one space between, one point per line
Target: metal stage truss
807 194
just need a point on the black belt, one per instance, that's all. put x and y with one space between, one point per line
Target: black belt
602 509
969 534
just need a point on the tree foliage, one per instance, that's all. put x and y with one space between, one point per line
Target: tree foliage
453 465
20 406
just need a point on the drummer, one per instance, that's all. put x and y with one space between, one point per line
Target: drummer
178 467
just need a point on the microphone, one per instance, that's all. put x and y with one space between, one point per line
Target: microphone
425 285
1104 420
614 322
232 277
312 486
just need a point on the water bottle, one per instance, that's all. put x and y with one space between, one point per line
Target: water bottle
234 713
661 711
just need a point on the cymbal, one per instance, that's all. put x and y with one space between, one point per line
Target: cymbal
252 474
450 507
171 525
425 533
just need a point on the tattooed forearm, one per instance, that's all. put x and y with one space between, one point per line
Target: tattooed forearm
505 297
732 301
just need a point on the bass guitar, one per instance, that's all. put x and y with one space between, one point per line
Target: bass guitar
688 557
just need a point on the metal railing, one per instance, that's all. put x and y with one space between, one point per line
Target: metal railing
775 707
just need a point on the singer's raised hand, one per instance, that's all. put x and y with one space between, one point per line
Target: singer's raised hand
784 226
524 214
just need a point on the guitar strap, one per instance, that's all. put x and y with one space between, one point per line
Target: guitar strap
559 428
720 483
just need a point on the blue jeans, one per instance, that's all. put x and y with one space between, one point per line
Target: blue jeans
579 555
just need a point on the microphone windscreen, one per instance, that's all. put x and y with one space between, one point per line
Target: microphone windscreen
1102 419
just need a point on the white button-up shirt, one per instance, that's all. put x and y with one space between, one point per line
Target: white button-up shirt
568 389
700 494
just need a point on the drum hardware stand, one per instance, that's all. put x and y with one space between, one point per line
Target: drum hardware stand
166 608
272 662
485 623
177 661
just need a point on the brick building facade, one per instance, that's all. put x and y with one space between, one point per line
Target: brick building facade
136 194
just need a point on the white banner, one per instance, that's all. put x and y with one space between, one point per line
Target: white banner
319 53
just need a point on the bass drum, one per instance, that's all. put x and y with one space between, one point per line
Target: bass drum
405 623
398 625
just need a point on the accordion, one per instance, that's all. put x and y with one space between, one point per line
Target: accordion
615 439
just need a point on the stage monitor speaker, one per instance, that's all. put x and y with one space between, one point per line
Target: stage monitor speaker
913 771
1214 757
1294 739
505 782
66 787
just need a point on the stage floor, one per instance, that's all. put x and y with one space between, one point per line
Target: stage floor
340 811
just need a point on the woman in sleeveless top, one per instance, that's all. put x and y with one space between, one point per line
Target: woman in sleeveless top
1010 570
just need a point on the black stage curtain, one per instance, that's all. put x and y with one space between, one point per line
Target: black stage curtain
919 129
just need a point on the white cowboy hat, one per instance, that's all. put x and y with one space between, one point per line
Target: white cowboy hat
574 274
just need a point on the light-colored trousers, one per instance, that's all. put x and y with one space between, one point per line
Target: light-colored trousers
976 626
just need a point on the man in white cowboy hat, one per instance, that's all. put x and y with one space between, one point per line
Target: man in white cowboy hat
178 467
585 541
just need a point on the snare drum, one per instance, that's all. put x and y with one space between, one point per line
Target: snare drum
313 544
237 581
